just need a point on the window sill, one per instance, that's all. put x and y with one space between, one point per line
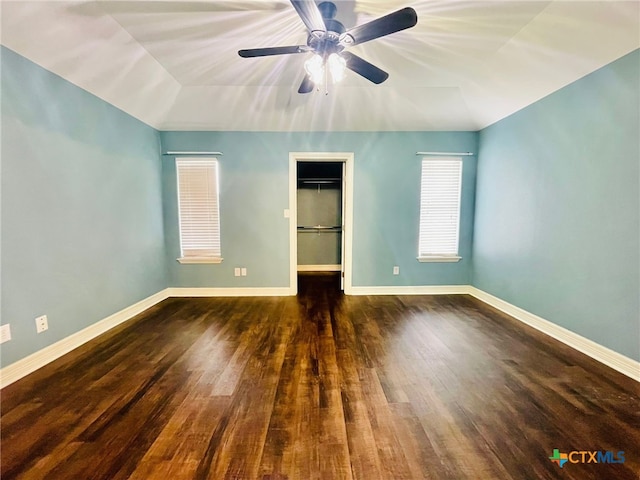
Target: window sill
442 258
188 260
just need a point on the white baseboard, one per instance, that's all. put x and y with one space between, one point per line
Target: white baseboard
31 363
411 290
230 292
615 360
319 268
27 365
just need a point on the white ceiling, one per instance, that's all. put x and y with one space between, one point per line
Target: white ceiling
174 64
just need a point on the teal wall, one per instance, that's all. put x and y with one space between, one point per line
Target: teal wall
82 233
557 208
89 219
254 191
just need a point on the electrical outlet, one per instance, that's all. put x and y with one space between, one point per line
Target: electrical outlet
42 324
244 272
5 333
236 272
396 270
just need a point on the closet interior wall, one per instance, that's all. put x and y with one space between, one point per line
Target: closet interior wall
319 222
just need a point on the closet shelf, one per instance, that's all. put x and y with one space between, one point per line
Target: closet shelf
319 180
320 228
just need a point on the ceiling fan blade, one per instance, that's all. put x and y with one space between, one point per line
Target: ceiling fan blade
364 68
394 22
307 85
265 52
310 15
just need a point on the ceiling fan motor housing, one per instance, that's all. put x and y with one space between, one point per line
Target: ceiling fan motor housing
326 43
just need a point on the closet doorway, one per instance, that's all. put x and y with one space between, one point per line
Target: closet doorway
321 215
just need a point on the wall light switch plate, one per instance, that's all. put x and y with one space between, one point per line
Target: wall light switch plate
287 213
236 272
396 270
5 333
244 272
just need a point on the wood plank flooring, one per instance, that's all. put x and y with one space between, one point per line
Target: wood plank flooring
320 386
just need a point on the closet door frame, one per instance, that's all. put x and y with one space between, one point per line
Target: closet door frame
347 159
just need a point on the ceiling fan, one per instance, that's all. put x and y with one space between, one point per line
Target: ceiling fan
328 40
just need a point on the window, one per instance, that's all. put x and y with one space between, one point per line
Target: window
440 209
198 212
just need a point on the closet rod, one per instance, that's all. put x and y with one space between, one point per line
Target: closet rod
191 153
322 181
462 154
320 227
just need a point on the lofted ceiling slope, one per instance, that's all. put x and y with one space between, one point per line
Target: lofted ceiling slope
174 65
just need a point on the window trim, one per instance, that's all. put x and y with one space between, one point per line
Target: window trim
199 259
193 260
439 259
449 257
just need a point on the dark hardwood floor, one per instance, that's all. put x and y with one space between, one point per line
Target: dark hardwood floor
320 386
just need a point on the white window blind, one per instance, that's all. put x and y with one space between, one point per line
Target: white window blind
199 216
440 207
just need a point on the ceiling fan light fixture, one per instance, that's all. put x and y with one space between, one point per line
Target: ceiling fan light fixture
315 68
328 39
337 67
